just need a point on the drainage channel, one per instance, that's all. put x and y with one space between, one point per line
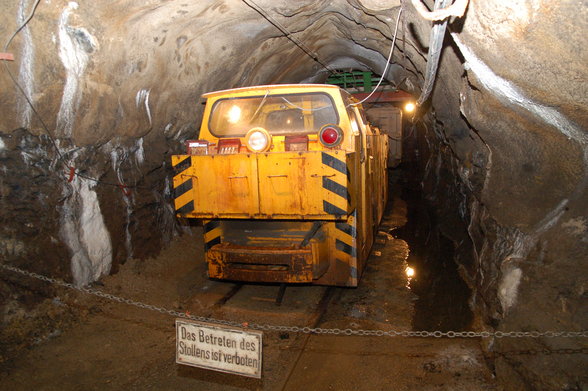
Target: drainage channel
442 294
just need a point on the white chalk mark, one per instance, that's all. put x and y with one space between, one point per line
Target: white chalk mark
119 155
522 244
142 97
508 288
74 56
26 77
147 108
139 152
85 233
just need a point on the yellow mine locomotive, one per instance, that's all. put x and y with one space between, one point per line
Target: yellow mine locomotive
289 181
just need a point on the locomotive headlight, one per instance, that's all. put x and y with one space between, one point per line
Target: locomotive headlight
258 140
330 136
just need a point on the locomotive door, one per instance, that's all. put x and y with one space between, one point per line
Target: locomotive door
364 202
222 185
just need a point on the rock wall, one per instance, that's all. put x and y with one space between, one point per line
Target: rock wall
506 149
503 141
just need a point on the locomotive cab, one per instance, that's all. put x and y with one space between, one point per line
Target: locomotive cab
289 181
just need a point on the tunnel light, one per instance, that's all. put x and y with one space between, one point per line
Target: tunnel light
409 272
409 107
234 114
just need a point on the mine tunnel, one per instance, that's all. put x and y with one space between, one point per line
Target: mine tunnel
97 96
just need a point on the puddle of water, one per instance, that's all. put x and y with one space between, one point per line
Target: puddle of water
442 294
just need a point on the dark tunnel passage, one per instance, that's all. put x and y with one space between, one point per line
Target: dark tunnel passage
443 294
493 171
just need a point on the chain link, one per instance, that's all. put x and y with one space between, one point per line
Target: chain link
306 329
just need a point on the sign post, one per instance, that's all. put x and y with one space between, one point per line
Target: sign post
219 348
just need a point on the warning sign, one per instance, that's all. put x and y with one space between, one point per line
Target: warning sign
219 348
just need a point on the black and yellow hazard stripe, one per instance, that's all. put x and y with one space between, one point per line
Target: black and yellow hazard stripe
183 184
212 233
345 236
335 182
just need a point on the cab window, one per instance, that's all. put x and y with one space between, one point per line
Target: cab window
284 114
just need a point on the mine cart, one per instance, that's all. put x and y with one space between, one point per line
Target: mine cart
289 182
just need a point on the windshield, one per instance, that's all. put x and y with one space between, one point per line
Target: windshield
279 114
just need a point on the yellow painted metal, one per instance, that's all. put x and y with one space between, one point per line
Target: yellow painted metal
259 206
301 185
278 145
223 186
292 184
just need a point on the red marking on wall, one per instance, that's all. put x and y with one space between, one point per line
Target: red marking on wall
6 56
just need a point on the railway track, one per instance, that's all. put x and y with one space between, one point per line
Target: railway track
230 294
313 322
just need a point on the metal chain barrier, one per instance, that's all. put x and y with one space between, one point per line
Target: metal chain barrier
305 330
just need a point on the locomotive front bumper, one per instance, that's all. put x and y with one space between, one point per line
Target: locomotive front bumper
269 264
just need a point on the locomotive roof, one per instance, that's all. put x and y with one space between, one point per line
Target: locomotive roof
315 87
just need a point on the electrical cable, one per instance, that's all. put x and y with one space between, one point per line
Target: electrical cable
306 50
302 108
40 118
387 62
287 34
458 9
43 124
435 46
24 23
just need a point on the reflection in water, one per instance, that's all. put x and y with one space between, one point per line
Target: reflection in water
409 275
409 272
443 295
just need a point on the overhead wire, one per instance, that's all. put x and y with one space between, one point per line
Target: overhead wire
49 133
287 34
24 23
387 61
19 87
312 55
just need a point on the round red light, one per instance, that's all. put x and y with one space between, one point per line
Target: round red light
329 136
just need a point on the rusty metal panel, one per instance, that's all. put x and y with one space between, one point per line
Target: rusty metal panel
345 264
225 186
389 120
269 264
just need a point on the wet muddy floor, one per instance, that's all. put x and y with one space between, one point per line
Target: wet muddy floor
102 344
442 294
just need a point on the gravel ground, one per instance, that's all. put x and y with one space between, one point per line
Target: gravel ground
83 342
